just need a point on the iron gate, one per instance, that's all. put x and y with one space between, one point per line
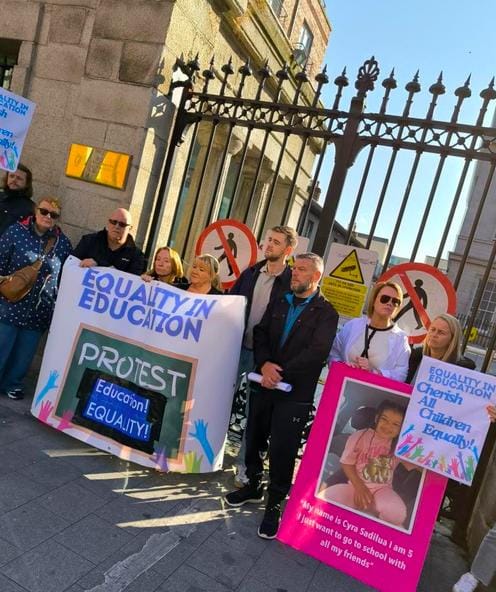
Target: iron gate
260 158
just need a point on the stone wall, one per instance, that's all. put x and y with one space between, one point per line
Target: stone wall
99 70
91 67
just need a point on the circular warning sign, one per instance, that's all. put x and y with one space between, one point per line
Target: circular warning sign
234 245
427 292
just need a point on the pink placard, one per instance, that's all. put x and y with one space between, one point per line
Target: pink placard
384 546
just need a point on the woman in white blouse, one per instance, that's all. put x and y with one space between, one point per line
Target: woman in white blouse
373 342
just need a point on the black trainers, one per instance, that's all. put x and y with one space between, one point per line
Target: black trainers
249 494
270 523
15 394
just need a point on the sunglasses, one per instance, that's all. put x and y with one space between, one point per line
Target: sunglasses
119 223
384 299
50 213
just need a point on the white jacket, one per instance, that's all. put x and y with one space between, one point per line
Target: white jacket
396 364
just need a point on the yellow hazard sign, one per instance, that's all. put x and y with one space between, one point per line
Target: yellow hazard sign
349 269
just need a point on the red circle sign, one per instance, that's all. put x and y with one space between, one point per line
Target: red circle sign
427 292
236 245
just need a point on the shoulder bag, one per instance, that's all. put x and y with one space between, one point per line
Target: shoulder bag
17 285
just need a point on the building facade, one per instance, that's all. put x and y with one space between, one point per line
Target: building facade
99 72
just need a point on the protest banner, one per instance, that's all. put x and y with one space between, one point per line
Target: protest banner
446 422
144 371
384 542
15 118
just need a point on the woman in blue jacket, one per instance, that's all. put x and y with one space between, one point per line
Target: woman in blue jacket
23 323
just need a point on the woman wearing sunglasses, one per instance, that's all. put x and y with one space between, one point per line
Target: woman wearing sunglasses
22 323
373 342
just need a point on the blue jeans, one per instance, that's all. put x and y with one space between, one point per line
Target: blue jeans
17 349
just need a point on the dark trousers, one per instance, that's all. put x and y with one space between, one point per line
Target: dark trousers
282 420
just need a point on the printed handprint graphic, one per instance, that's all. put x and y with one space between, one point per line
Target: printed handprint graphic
160 457
50 384
200 434
192 462
45 411
65 420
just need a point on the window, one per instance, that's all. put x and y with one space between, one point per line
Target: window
9 52
309 229
302 48
277 8
487 308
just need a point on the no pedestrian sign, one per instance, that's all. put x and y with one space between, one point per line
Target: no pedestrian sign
234 245
347 277
427 292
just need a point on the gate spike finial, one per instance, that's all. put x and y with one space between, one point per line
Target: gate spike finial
488 94
208 74
264 73
322 78
463 92
389 84
228 71
390 81
438 87
341 81
414 86
245 71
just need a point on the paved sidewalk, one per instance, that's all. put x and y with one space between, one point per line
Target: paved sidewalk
73 518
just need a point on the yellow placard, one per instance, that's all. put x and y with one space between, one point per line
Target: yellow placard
96 165
347 298
349 269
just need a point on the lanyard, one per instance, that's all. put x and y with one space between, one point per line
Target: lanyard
368 339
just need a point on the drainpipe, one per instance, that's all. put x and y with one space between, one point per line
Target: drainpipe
26 89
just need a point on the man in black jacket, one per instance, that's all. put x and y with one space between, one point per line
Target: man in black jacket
291 344
113 246
260 283
15 197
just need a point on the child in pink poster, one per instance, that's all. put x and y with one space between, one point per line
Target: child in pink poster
369 464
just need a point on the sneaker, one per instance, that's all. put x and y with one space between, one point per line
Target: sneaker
240 479
270 523
249 494
467 583
15 394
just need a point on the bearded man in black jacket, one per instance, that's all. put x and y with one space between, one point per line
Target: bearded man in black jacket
291 345
15 197
113 246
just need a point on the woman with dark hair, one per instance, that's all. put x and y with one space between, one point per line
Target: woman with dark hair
204 275
368 462
442 342
167 267
373 342
15 197
22 323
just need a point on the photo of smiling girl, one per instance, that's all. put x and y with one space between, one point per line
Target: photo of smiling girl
369 465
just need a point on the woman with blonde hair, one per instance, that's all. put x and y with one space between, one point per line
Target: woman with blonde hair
373 342
167 267
442 342
204 275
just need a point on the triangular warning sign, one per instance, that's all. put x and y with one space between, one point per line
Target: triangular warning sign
349 269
